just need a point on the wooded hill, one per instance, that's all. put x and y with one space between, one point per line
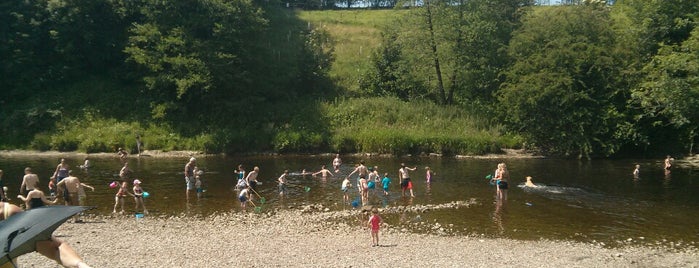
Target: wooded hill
456 77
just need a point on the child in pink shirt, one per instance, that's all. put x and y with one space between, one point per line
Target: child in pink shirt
374 222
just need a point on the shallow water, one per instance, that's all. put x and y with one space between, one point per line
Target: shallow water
590 201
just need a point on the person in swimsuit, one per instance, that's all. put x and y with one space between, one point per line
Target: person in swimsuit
61 171
30 181
337 162
119 197
282 182
324 172
138 196
345 189
404 176
189 176
364 189
36 198
70 189
501 178
244 196
251 179
125 172
428 175
53 248
386 182
374 223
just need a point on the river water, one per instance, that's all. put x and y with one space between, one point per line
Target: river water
595 201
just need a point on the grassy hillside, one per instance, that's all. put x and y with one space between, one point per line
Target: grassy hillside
356 34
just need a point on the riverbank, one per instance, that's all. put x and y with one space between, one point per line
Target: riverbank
295 238
507 153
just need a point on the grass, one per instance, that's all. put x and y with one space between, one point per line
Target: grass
356 34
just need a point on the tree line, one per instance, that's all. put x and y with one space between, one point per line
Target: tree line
580 80
584 80
188 67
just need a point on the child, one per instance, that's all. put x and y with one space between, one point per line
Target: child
386 181
119 197
282 183
637 172
138 196
197 184
374 222
52 187
428 175
244 196
345 188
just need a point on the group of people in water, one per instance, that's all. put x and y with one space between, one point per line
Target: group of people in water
368 180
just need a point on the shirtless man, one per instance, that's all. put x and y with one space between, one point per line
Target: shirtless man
29 181
324 172
405 182
70 187
251 179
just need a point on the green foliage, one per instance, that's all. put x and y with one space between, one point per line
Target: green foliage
389 125
560 91
669 94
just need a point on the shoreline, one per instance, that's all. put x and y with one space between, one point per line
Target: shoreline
300 239
508 153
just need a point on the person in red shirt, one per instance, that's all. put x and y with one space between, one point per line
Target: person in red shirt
374 223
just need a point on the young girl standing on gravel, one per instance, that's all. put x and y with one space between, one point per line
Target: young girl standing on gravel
374 222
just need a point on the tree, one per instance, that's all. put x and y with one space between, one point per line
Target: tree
195 55
669 94
560 92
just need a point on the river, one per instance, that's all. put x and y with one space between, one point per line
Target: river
595 201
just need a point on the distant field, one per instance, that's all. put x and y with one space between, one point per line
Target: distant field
356 33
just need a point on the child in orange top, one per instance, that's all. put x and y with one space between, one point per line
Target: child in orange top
374 223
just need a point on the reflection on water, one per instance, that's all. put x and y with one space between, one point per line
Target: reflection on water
587 201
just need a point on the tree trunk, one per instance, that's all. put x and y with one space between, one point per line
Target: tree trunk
433 45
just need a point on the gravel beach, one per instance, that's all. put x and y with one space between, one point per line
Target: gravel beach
298 238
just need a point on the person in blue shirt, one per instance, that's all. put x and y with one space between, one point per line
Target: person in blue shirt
386 181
